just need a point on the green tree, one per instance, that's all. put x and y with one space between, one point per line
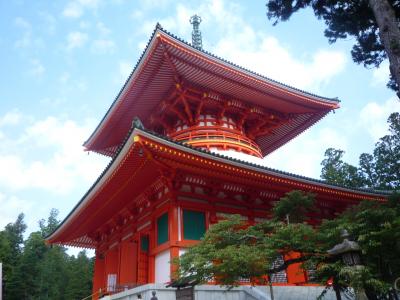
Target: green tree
372 23
39 271
376 228
54 274
379 170
11 240
14 232
25 280
294 206
80 276
232 250
49 225
336 171
5 258
384 164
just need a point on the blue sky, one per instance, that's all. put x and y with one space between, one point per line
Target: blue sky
63 63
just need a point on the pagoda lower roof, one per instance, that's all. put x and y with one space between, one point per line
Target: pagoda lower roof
134 168
168 60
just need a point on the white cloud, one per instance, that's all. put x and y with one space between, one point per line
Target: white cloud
73 10
62 163
102 46
381 75
151 4
37 69
84 25
300 155
76 8
22 23
374 115
49 22
257 51
103 29
10 118
64 78
124 70
76 39
11 206
137 14
265 55
26 39
52 101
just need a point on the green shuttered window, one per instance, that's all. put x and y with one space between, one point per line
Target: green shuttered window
162 229
144 243
194 225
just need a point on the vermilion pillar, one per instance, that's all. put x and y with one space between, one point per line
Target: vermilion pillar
98 276
174 236
295 273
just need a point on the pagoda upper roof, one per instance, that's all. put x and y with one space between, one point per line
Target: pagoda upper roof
168 59
134 168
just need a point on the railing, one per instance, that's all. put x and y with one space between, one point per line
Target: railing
111 290
121 287
221 138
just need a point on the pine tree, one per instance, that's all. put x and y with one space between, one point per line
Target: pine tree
34 270
379 170
80 270
11 243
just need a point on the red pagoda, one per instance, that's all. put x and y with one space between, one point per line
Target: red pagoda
169 180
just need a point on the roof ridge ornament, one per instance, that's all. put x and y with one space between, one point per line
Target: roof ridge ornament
137 123
195 20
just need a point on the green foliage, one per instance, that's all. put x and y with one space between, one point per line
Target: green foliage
376 228
294 207
232 250
80 271
379 170
343 19
336 171
11 241
34 270
14 232
226 253
46 228
385 163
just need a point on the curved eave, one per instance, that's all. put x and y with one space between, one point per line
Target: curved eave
333 103
240 164
109 171
61 235
263 84
129 81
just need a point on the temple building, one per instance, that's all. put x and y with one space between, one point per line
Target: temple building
171 134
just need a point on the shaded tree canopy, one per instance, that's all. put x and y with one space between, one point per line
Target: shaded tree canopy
336 171
34 270
232 250
373 24
379 170
294 206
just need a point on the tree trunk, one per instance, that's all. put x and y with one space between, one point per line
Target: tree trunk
271 291
337 292
389 34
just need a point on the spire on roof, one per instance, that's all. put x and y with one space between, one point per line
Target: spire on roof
196 34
